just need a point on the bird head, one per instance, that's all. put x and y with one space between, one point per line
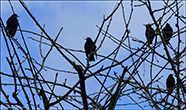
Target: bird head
147 25
167 25
171 75
15 16
88 39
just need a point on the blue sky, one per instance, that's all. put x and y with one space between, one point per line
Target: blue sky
79 20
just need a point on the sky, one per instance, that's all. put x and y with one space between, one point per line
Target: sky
79 20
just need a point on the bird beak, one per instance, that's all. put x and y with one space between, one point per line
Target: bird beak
85 38
144 24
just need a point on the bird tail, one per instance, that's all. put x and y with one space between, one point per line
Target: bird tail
92 58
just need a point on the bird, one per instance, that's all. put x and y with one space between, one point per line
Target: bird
170 83
150 33
88 46
12 24
167 33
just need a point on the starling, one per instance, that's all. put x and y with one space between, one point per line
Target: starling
170 83
149 33
167 33
12 24
88 46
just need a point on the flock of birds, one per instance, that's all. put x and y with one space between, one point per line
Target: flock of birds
90 47
167 34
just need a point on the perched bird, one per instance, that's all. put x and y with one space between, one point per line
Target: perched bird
167 33
150 33
12 24
88 46
170 83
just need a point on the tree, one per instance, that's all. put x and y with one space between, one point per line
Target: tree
125 88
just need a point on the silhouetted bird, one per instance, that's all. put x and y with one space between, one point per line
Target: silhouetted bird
170 83
167 33
12 24
149 33
88 46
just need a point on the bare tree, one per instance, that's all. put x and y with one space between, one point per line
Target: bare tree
30 85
